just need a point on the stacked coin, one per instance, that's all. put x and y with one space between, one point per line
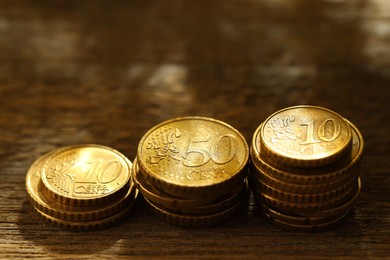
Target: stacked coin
192 171
81 187
305 167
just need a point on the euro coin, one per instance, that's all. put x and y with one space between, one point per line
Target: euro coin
334 186
305 136
344 169
220 204
162 198
315 197
346 206
191 171
86 175
332 222
304 168
195 221
89 225
311 209
296 219
65 212
193 156
81 187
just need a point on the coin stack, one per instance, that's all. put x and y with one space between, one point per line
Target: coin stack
81 187
192 171
305 168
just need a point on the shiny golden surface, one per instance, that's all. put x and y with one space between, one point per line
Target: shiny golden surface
220 204
196 221
294 219
158 196
263 176
90 225
191 171
304 136
91 211
86 175
326 209
287 225
315 188
276 192
61 211
189 156
306 180
344 168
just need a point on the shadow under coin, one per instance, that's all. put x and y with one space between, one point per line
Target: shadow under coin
55 239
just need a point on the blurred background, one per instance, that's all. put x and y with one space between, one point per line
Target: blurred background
126 64
106 71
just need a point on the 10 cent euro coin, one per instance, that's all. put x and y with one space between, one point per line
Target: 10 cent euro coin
81 187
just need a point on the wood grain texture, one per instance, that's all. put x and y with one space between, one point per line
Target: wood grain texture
106 71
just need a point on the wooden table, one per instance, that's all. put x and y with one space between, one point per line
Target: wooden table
105 72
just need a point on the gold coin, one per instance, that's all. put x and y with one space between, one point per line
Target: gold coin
86 175
193 221
296 219
190 156
323 209
53 208
347 206
309 227
340 171
89 225
334 186
304 136
222 203
315 197
162 198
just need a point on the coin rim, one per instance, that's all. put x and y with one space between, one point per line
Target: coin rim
191 221
307 228
315 210
89 225
211 208
295 220
295 198
303 188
